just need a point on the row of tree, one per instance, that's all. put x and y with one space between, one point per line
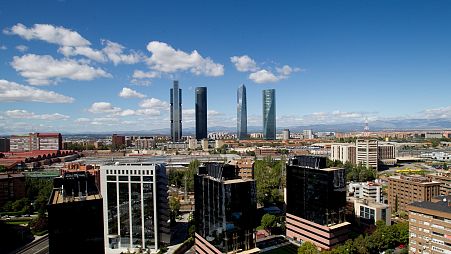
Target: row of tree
382 239
355 173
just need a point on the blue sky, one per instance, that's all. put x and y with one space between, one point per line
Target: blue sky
63 64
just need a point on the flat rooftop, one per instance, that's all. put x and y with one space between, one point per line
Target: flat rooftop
57 197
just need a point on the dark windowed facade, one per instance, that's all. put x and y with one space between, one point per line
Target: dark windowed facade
201 112
225 210
269 114
176 112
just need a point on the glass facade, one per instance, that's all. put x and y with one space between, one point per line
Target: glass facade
201 112
241 113
130 202
269 114
176 112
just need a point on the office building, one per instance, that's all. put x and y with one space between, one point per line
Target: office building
316 202
286 134
308 134
403 190
369 212
241 118
366 190
144 143
343 152
135 207
12 187
430 226
225 211
117 142
269 114
386 154
75 215
366 153
201 113
36 141
4 145
245 168
176 112
445 179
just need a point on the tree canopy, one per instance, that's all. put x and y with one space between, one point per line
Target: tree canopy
268 177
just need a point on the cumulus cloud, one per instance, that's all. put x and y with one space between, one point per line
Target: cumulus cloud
138 74
244 63
11 91
130 93
88 52
286 70
21 48
3 47
437 113
167 59
49 33
154 103
263 76
24 114
44 69
114 52
103 107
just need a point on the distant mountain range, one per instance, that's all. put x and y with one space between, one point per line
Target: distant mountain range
379 125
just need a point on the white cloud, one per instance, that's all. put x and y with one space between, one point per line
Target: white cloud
138 74
114 52
82 120
244 63
49 33
23 114
141 82
263 76
21 48
130 93
43 70
83 51
3 47
286 70
154 103
103 107
10 91
437 113
167 59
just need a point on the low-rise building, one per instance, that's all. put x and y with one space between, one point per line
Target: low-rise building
445 179
403 190
369 212
12 187
430 226
366 190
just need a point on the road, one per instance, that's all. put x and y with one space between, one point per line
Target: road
40 246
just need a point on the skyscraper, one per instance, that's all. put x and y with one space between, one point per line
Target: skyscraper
241 119
316 201
269 114
201 112
176 112
135 207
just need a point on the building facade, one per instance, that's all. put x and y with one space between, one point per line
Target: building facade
445 179
316 202
36 141
75 215
135 207
430 226
366 190
286 134
403 190
12 187
201 112
366 153
269 114
117 142
241 118
225 210
343 152
4 145
369 212
176 112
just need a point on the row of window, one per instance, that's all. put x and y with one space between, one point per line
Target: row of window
129 172
129 178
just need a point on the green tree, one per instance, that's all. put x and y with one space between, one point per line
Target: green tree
268 221
189 174
174 208
308 248
268 175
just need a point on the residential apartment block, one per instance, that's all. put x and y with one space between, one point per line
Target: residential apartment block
36 141
445 179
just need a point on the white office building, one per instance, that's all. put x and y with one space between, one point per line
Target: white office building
367 153
135 207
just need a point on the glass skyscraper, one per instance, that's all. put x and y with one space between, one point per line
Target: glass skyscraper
269 114
201 112
176 112
241 119
135 207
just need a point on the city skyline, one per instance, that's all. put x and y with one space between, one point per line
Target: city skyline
64 71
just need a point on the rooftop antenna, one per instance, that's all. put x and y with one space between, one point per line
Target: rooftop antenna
366 129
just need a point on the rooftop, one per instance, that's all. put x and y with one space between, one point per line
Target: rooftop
57 197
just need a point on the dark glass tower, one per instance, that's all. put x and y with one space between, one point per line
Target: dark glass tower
201 112
176 112
241 119
269 114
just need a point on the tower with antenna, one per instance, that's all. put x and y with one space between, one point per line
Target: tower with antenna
366 129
